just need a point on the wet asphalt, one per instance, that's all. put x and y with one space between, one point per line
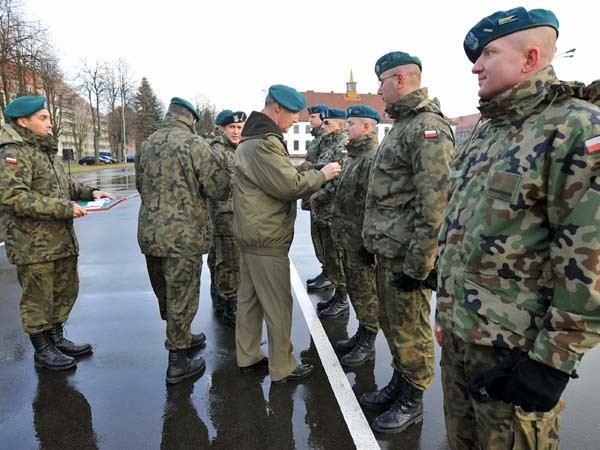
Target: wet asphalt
117 398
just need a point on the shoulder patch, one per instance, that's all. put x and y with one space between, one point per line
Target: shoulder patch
10 160
592 145
429 134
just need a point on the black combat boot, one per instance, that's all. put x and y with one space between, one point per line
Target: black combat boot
406 410
324 304
385 397
363 351
182 367
348 344
339 306
313 279
230 312
57 336
47 355
198 341
319 283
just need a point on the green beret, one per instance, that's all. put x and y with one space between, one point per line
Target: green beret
502 23
333 113
363 111
187 105
25 106
231 117
395 59
317 109
221 116
288 97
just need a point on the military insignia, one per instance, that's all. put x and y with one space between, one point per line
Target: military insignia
10 160
430 134
471 41
593 145
509 19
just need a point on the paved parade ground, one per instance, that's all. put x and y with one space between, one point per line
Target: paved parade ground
117 399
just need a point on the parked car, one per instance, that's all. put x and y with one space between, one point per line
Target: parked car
130 158
89 160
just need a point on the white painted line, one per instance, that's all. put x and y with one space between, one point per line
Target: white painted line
359 428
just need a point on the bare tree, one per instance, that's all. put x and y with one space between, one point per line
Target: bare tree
126 89
57 92
92 83
80 126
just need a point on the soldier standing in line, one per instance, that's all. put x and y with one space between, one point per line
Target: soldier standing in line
407 194
175 172
36 214
347 224
321 281
211 260
518 297
332 148
226 253
266 186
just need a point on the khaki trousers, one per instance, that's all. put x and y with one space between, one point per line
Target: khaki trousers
265 294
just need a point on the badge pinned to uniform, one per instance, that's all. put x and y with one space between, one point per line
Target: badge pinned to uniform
10 160
430 134
593 145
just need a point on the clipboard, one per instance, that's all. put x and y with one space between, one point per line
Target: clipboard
100 204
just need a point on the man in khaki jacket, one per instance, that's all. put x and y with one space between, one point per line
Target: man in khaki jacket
266 186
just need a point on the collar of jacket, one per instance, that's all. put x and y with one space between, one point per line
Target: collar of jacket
523 98
259 125
173 119
316 132
334 136
413 103
15 134
362 144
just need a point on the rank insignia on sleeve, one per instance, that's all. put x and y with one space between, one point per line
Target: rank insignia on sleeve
429 134
592 145
10 160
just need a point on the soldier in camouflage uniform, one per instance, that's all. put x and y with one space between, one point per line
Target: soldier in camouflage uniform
347 224
175 173
226 276
36 214
332 148
406 197
518 297
321 281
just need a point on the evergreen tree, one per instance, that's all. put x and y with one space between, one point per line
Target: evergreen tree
149 111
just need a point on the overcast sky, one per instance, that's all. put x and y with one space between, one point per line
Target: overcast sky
230 51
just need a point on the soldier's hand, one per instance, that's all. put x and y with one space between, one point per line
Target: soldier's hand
405 283
78 211
331 170
437 334
101 194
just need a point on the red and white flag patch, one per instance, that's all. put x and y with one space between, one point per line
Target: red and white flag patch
10 160
593 145
429 134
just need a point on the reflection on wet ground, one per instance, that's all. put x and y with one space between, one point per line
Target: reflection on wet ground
117 398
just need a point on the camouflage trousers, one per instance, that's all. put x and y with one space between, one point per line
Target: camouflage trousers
227 266
362 290
176 284
49 293
317 241
404 320
332 258
496 425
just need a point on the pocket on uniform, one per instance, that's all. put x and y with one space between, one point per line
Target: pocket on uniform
504 186
537 430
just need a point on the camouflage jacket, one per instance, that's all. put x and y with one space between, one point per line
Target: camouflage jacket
36 208
408 185
175 172
332 148
221 211
520 242
266 186
312 153
351 193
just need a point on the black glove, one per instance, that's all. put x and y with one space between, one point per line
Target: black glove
319 165
431 281
367 257
524 382
405 283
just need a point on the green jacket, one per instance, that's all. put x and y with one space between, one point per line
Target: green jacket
36 207
221 211
408 185
520 244
266 186
175 173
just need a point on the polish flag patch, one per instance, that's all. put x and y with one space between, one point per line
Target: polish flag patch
593 145
10 160
429 134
